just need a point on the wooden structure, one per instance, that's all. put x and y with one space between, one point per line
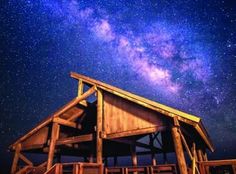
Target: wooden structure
104 121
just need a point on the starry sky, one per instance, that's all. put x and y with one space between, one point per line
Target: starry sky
179 53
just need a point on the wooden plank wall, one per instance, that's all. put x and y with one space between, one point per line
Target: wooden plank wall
39 137
121 115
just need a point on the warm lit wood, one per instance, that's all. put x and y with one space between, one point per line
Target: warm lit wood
75 139
54 137
199 153
133 155
80 88
193 160
75 101
116 123
26 160
219 162
99 142
168 111
135 132
75 116
66 123
16 159
185 145
34 130
179 150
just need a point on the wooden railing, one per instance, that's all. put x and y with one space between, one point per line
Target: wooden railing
76 168
158 169
31 169
224 167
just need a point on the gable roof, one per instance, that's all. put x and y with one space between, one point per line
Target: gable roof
165 110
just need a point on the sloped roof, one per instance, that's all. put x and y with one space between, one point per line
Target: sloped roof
49 120
189 119
165 110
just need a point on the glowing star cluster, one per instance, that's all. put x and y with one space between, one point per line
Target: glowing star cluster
157 54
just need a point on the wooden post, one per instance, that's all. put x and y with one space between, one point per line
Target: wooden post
80 88
178 147
199 153
194 159
16 159
99 125
205 156
205 159
234 169
54 137
133 155
152 150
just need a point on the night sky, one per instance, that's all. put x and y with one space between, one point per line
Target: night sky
179 53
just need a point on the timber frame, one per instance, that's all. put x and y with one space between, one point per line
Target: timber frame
96 125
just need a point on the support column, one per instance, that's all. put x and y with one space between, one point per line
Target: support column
194 158
133 155
205 158
16 159
178 148
80 88
199 153
99 126
154 162
54 137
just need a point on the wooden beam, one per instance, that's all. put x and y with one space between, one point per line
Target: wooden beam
75 116
66 123
54 137
43 164
99 143
185 145
75 139
75 101
134 132
31 147
26 160
135 98
80 88
179 150
219 162
16 159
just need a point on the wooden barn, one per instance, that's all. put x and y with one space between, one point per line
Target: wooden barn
104 122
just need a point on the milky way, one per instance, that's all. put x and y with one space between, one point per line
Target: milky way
169 57
163 56
179 53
